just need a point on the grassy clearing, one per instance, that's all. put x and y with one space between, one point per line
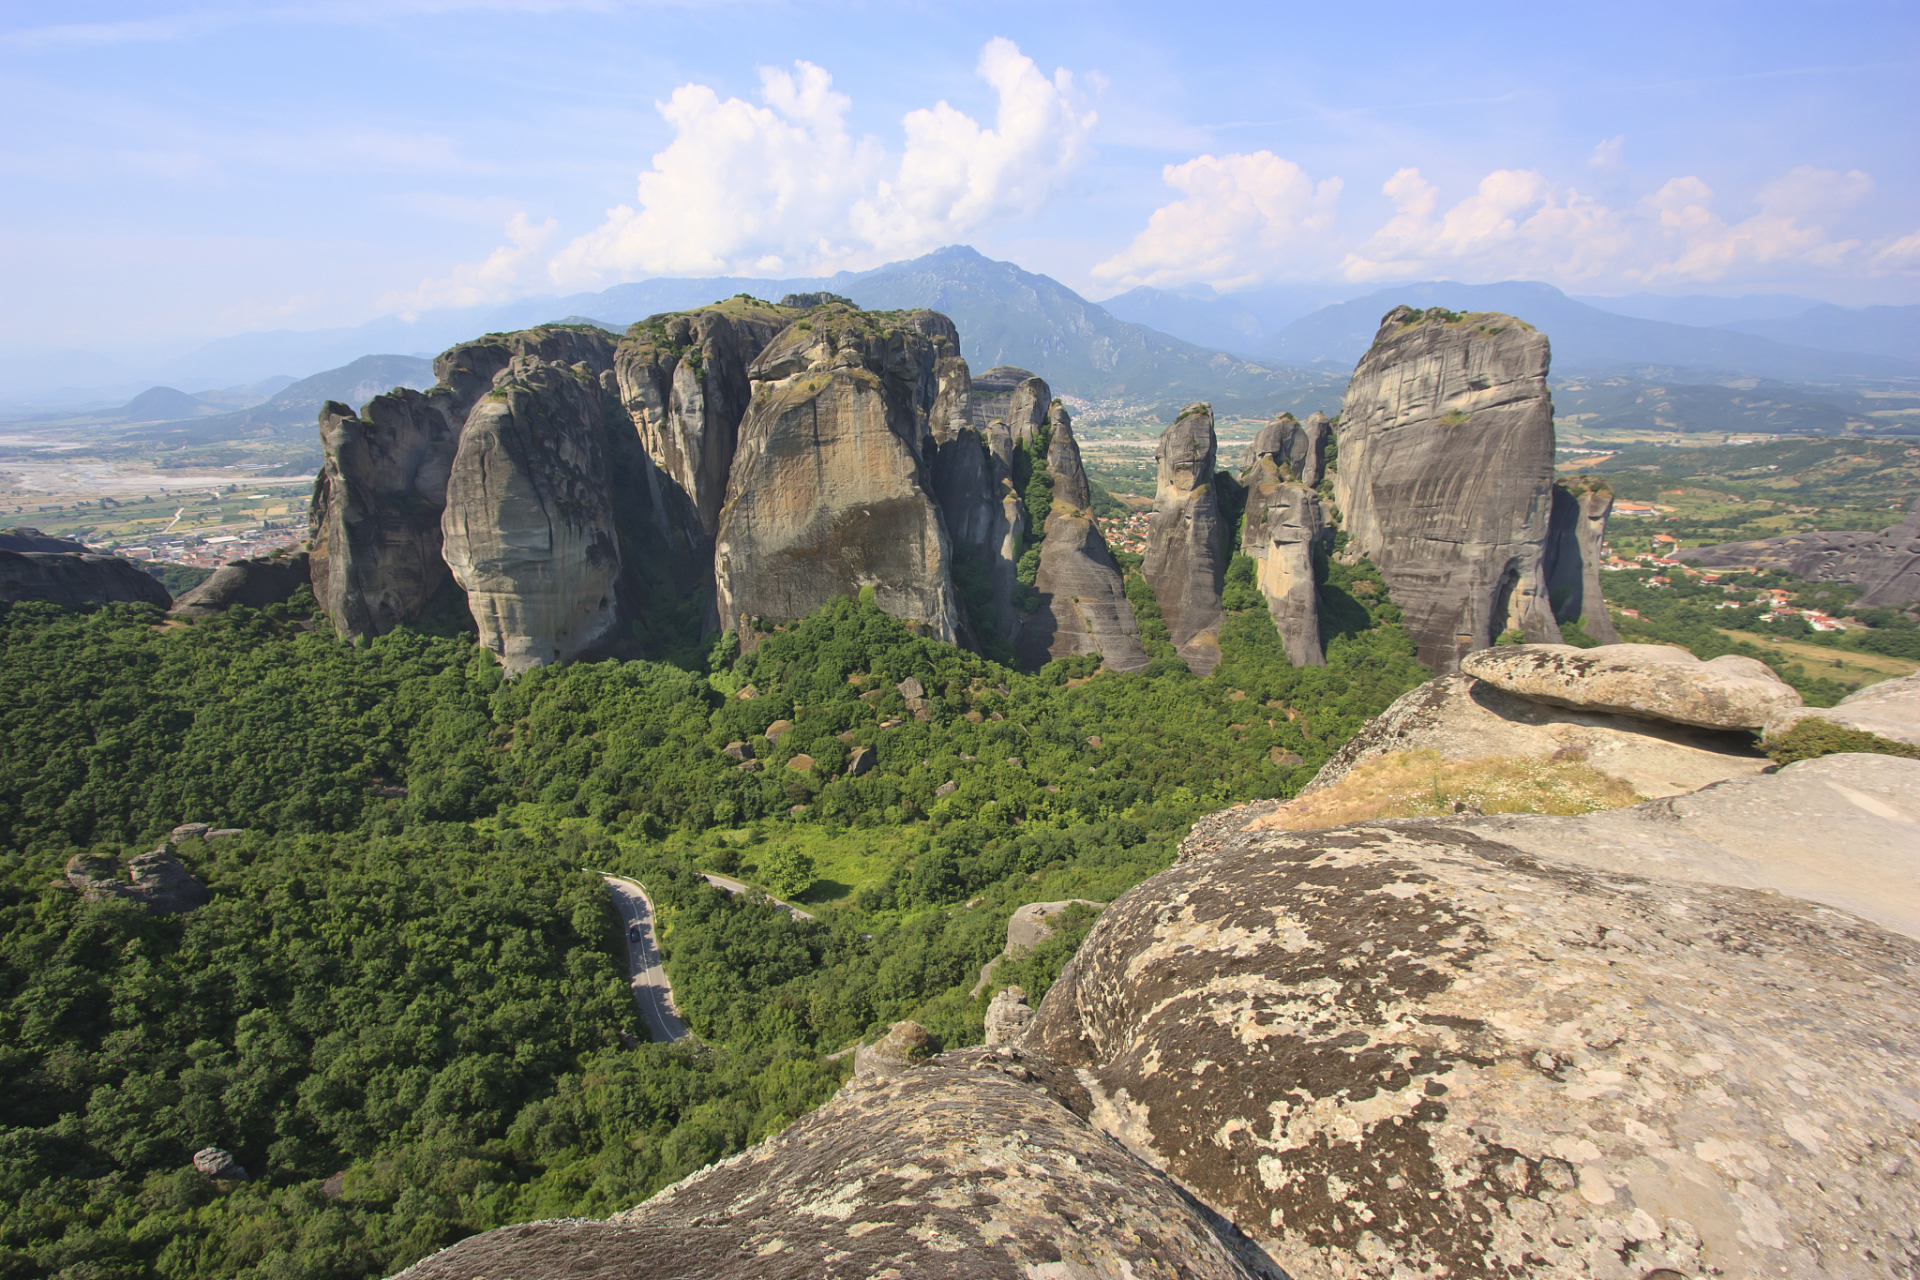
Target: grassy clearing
1844 665
1419 784
844 863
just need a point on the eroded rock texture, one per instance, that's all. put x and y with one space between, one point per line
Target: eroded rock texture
77 581
1661 681
1014 396
1577 531
1185 561
1083 602
1284 524
832 484
255 582
977 1170
1886 564
529 525
1422 1049
1298 449
1446 474
683 380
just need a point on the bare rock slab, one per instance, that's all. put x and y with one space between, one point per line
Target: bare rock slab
1656 680
1890 709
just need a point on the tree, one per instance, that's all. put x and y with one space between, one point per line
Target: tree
789 871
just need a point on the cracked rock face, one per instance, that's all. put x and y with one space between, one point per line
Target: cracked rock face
1185 564
1446 474
832 484
1416 1049
1660 681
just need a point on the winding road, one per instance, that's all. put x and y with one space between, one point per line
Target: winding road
649 975
735 886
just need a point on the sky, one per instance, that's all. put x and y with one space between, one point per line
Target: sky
171 173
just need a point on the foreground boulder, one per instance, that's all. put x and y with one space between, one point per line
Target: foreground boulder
1429 1048
1445 477
1661 681
255 582
1186 561
1886 565
77 581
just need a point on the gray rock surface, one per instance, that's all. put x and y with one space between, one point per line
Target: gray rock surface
1013 396
216 1163
157 882
1890 708
1298 449
905 1046
1033 924
1464 719
1433 1047
1284 524
1445 477
1083 601
1885 564
1577 530
1008 1017
77 581
529 523
26 538
1185 561
832 487
255 582
1660 681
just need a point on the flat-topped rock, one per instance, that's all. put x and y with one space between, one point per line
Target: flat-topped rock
1660 681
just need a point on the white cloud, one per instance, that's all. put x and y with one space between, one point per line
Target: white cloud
1609 156
1901 255
1241 219
785 188
503 274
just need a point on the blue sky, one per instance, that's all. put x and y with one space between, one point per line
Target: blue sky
175 173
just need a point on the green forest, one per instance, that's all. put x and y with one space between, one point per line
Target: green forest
405 1010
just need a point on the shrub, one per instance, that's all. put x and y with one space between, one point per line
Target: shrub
1815 737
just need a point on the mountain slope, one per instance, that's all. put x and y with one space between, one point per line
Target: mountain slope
296 409
1885 331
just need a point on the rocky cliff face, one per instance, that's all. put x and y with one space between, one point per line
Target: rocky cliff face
1083 601
1014 396
255 582
1284 524
529 526
1185 563
683 380
832 484
25 538
1445 476
1885 564
1577 531
1298 449
77 581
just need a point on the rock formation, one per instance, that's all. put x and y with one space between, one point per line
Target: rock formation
157 882
255 582
529 523
832 485
1083 602
1890 709
77 580
683 380
1886 565
25 538
1185 561
1284 525
1577 529
1661 681
1014 396
1445 477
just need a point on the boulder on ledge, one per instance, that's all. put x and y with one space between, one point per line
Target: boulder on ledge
1657 680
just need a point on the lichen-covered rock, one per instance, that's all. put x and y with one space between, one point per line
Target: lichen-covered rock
1577 530
1008 1016
683 380
1446 473
1662 681
529 524
1284 523
905 1046
255 582
1461 718
1185 561
1418 1049
77 581
1890 709
1083 602
832 487
1886 565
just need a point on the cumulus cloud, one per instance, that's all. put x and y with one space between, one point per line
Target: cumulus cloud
786 188
505 272
1240 219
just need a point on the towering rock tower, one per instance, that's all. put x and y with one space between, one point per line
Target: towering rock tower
1579 528
1185 562
1445 476
1284 524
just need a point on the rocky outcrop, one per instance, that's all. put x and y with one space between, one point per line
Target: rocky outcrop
157 882
25 538
1660 681
1446 473
683 380
1083 606
1885 565
1890 709
1443 1047
1298 449
529 523
255 582
217 1163
1008 1016
77 581
1577 530
1013 396
1185 561
832 486
1285 524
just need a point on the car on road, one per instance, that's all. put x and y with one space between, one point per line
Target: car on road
633 932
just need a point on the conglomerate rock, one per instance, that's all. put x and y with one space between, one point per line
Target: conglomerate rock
1445 477
1886 565
1284 524
77 581
255 582
1437 1047
1661 681
1185 562
832 485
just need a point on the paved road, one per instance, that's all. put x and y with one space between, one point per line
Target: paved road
734 886
650 989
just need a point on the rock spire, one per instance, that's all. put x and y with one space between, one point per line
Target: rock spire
1186 562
